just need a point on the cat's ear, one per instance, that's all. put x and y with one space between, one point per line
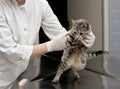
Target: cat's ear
72 21
88 26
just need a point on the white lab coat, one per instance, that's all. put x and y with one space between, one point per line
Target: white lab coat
19 28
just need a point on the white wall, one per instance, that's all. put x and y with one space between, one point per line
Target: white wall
92 10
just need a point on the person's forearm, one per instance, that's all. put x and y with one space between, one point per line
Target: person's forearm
38 50
55 44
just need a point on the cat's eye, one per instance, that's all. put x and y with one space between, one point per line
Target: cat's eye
84 26
75 32
81 33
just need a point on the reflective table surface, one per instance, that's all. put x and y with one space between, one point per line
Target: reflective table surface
96 75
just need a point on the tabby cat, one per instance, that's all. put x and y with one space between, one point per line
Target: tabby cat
75 54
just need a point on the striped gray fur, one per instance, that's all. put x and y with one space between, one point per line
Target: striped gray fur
95 53
75 54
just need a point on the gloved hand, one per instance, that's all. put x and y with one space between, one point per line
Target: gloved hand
57 43
88 41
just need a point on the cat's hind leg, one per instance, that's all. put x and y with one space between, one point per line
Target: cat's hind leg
62 67
75 72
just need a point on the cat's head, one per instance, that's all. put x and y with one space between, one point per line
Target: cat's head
81 26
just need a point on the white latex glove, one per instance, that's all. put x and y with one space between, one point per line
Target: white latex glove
89 40
23 83
57 43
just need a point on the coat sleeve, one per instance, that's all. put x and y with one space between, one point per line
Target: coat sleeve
50 22
8 47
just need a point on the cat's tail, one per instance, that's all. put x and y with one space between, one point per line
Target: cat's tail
97 53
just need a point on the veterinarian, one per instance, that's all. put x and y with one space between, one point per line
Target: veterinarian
20 21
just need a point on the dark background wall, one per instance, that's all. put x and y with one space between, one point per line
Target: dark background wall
60 9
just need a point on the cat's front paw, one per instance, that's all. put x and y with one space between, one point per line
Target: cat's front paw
77 76
55 81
